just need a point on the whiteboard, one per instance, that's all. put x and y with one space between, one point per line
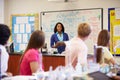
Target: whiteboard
71 19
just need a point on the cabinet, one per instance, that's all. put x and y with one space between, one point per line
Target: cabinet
48 60
13 64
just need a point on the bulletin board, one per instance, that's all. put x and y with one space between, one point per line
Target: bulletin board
114 28
22 26
71 19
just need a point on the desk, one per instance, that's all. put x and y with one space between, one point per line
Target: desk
13 63
99 76
48 60
54 60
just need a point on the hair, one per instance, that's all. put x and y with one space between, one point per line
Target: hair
55 28
4 34
36 41
103 40
84 30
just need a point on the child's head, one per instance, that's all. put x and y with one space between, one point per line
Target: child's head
84 30
103 38
37 40
4 34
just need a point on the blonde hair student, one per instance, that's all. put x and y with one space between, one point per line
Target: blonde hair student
103 54
76 48
31 60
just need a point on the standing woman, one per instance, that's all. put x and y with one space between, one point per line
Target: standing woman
106 56
31 60
59 35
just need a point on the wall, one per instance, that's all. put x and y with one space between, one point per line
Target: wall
37 6
1 11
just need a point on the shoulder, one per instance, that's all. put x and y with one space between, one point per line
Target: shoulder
106 49
3 50
32 55
32 52
32 49
53 35
65 33
79 42
107 53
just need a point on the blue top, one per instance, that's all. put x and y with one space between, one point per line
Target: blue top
55 39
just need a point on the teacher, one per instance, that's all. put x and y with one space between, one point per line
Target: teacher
59 35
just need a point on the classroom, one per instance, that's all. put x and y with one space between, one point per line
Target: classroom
23 17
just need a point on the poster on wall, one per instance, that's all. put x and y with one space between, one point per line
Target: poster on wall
22 26
114 28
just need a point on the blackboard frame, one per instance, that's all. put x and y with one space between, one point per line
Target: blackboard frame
43 12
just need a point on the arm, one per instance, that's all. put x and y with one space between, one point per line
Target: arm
71 59
34 66
4 62
109 56
71 56
112 61
67 37
74 62
33 58
116 77
60 43
52 41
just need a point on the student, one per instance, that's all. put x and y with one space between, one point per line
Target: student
103 54
31 60
59 35
4 57
76 47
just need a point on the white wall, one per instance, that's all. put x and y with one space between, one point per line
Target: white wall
1 11
36 6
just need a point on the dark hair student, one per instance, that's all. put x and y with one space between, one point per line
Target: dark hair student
4 56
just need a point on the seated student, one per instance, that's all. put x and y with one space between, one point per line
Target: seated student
4 57
31 60
106 56
76 47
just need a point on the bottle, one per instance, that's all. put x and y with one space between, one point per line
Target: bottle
44 49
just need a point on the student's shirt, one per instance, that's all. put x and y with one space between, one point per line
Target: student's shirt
4 60
74 48
30 56
106 55
55 39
